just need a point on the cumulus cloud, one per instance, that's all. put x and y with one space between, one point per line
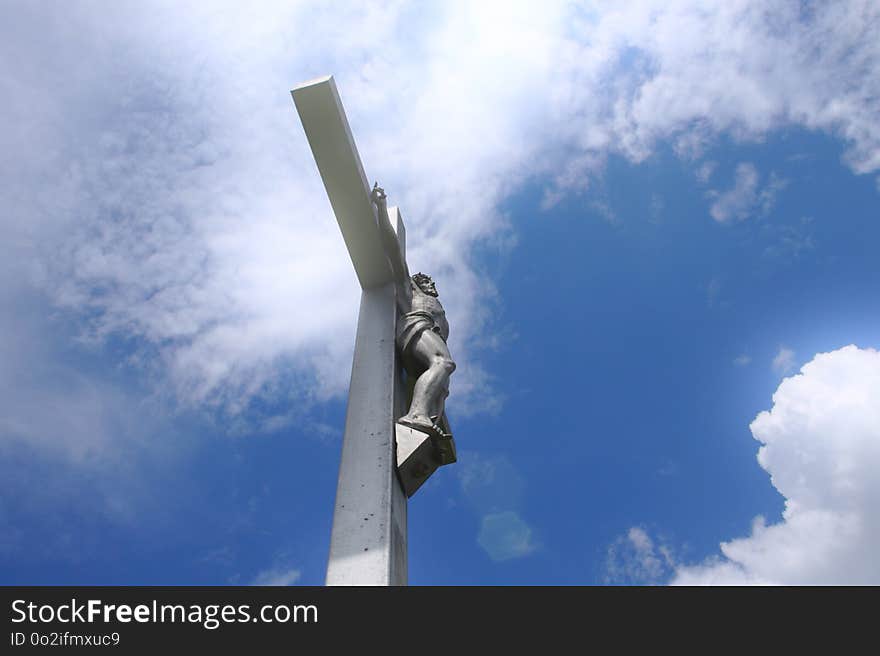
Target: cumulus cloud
690 72
159 190
820 443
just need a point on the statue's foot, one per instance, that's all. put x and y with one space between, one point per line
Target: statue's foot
418 422
429 425
438 428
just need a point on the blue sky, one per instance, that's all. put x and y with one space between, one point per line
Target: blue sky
653 228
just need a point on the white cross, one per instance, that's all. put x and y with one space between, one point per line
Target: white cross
369 537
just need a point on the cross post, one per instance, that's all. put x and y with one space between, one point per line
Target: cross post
368 543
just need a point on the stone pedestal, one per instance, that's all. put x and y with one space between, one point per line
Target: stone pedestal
419 454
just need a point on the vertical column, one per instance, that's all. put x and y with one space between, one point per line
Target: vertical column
368 545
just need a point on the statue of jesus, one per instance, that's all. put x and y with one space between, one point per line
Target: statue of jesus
422 331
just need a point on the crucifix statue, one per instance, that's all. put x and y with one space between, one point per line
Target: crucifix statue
422 331
396 431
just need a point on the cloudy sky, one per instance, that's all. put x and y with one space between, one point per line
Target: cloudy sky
653 225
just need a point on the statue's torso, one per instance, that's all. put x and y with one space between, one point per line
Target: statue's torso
422 302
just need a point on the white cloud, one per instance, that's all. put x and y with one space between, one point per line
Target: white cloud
783 361
635 559
77 445
767 197
821 446
157 185
505 536
705 171
742 360
737 203
746 198
60 406
277 576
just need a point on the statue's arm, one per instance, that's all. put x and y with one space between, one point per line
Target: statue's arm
392 250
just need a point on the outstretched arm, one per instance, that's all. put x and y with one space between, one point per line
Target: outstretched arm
392 249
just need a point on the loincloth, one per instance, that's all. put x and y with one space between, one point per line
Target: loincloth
411 325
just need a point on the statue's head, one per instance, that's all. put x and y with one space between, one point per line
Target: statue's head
423 280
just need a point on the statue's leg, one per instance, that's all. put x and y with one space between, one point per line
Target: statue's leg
431 354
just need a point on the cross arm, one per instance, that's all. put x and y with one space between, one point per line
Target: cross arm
329 135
